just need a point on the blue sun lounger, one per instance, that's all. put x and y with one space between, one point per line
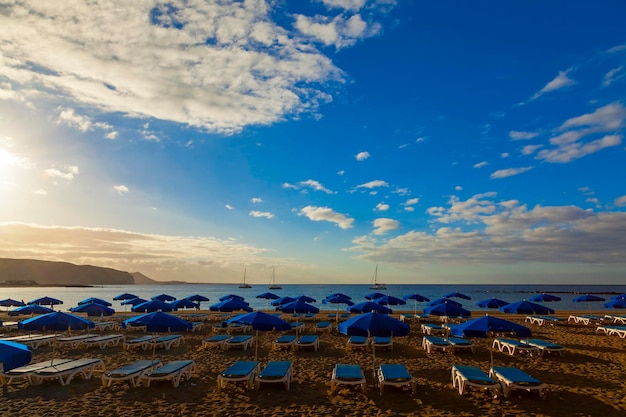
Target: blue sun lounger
66 371
104 342
395 375
357 342
431 343
141 342
382 342
74 341
173 371
514 378
166 341
240 371
512 346
24 372
308 341
323 326
545 346
215 341
346 374
285 341
466 377
276 372
243 341
131 372
460 344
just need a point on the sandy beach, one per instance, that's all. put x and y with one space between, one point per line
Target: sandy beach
587 380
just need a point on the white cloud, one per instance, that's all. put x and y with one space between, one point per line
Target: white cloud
411 201
373 184
121 189
384 225
352 5
318 214
265 214
559 82
229 207
516 135
312 184
339 31
509 172
67 173
458 188
569 152
82 123
620 201
362 156
481 164
612 76
504 155
216 65
256 200
530 149
382 207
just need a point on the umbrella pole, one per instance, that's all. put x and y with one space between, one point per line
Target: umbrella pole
256 347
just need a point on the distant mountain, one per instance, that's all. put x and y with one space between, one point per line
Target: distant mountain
36 272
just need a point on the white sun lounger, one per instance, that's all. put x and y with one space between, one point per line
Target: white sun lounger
613 330
382 343
357 342
308 341
24 372
240 371
166 342
512 347
66 371
545 347
141 342
432 343
346 374
216 341
513 378
460 344
432 329
107 325
173 371
585 319
395 375
276 372
35 340
323 326
73 341
105 341
466 377
243 341
286 341
131 372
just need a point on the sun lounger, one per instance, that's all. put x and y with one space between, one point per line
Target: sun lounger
215 341
104 342
276 372
545 346
460 344
131 372
357 342
586 319
141 342
617 319
513 378
345 374
196 326
310 316
432 329
466 377
395 375
35 340
107 325
240 371
8 325
172 371
243 341
231 328
382 343
407 317
308 341
512 346
432 343
298 326
24 372
66 371
286 341
541 320
74 341
166 342
613 330
323 326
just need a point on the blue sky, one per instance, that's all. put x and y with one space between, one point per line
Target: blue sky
447 142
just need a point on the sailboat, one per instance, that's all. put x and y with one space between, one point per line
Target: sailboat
375 284
244 285
273 285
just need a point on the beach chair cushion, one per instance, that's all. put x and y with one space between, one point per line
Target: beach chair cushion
276 372
308 340
173 371
395 375
347 374
514 378
240 371
131 372
465 377
65 372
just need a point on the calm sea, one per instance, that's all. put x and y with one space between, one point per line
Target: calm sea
72 295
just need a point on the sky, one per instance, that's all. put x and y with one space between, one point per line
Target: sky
446 142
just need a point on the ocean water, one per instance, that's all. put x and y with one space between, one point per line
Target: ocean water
72 295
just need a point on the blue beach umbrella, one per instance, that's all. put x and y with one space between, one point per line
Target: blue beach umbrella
492 303
374 324
299 307
389 300
46 301
9 302
417 298
95 300
337 294
133 301
30 309
93 309
447 310
152 306
368 306
617 303
444 301
587 298
183 303
615 297
232 297
163 297
158 322
306 299
457 295
338 298
228 306
283 300
57 320
124 296
526 307
259 321
268 296
374 295
14 355
544 298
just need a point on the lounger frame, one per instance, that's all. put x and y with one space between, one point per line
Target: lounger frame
65 372
174 371
131 372
337 377
465 378
228 377
384 377
286 377
508 381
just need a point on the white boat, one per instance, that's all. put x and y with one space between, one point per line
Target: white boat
273 285
244 285
375 284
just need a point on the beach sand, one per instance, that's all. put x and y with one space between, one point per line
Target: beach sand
588 380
